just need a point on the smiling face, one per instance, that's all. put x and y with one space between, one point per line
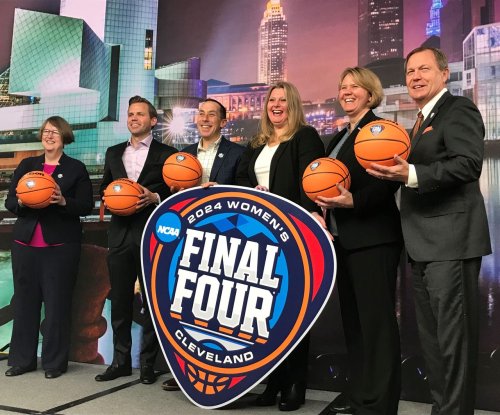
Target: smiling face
424 79
354 99
277 108
209 121
52 139
139 122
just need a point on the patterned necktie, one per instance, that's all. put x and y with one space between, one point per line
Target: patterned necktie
418 123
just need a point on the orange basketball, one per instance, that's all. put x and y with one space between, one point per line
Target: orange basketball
121 196
35 189
321 176
378 142
182 171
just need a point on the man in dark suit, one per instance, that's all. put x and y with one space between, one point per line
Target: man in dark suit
141 159
218 156
445 228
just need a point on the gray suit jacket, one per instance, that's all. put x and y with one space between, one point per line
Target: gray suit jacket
445 218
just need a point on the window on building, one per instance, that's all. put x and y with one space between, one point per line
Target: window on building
148 50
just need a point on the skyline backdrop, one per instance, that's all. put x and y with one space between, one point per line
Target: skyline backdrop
322 37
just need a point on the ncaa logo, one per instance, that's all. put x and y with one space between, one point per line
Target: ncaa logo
180 158
235 279
117 188
314 165
30 184
376 129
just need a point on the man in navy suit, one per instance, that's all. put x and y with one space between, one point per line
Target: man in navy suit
141 159
218 156
445 228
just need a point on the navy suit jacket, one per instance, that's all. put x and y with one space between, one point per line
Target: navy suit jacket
445 218
374 220
225 163
60 224
150 177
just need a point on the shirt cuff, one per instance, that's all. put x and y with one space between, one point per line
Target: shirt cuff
158 199
412 177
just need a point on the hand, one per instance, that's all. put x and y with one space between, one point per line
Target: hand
175 189
322 222
146 198
208 184
397 173
262 188
344 200
57 198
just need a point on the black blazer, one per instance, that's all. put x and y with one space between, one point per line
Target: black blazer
60 224
225 163
445 218
287 166
150 177
374 220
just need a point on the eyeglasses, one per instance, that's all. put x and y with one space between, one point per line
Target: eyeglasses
51 132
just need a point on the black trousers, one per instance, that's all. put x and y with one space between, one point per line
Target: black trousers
43 275
124 264
366 281
446 304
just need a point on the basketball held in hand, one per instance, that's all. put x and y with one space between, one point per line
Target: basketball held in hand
35 189
182 171
121 197
321 177
378 142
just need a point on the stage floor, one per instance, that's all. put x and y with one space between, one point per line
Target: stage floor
76 392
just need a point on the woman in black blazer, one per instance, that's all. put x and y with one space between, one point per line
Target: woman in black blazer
367 238
45 254
275 161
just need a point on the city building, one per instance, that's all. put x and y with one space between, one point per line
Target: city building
83 66
380 30
433 27
481 74
273 44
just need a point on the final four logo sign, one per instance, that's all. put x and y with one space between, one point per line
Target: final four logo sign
235 278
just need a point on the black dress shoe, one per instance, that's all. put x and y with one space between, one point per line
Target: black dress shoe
18 370
268 397
341 405
147 375
292 397
53 373
113 372
170 385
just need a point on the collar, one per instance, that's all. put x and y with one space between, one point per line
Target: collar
214 145
145 142
426 110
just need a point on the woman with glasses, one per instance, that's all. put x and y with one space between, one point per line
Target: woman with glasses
45 254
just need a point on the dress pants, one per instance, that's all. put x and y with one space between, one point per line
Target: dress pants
366 281
446 305
124 264
43 275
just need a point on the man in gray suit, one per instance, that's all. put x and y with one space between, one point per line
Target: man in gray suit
445 228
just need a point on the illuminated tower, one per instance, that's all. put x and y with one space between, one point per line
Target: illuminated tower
273 44
434 24
380 30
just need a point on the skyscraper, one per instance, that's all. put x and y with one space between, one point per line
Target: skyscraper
434 24
273 44
380 30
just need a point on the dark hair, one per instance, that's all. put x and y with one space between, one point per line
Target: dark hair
138 99
62 126
441 59
222 108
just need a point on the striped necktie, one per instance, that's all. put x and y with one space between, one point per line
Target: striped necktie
418 123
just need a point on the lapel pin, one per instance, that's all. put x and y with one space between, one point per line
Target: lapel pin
221 155
432 115
59 176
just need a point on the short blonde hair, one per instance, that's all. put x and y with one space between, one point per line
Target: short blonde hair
366 79
296 117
